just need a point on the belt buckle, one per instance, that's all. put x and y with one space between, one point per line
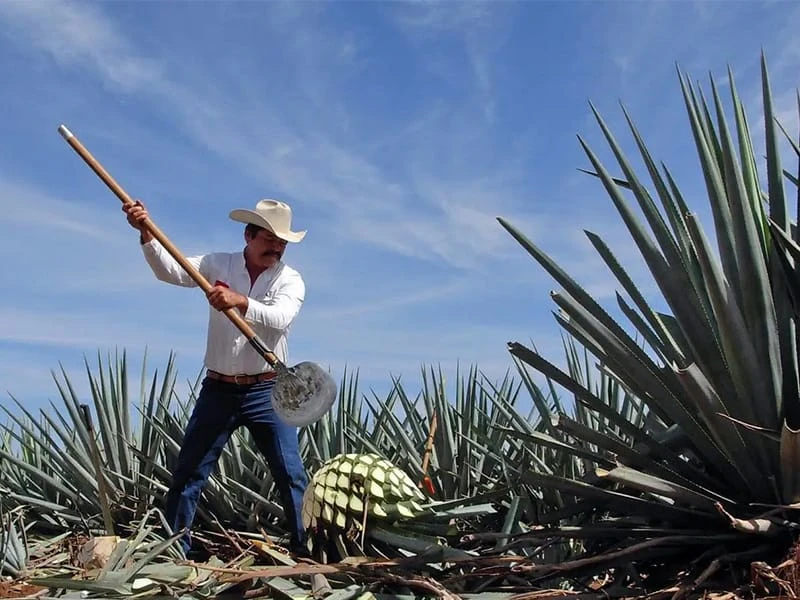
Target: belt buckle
236 379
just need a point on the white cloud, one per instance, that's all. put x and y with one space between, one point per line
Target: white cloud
428 17
308 163
403 351
63 248
406 297
78 34
76 329
22 205
480 27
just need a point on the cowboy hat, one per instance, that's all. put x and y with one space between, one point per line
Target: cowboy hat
272 215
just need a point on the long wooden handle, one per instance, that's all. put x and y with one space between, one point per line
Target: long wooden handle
198 278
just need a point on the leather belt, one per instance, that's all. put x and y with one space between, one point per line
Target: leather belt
241 379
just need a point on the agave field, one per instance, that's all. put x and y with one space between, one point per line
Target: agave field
661 458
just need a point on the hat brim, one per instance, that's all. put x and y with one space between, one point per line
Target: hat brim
243 215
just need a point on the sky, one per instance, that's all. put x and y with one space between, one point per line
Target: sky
397 131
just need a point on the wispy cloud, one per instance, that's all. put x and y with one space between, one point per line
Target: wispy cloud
80 35
83 328
401 298
401 351
310 164
478 26
398 134
22 205
66 246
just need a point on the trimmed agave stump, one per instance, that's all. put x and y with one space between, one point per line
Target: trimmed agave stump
348 491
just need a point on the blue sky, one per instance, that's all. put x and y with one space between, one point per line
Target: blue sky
398 131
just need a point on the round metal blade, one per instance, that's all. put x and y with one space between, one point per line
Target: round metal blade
303 393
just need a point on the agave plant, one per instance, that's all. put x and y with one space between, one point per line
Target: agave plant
702 460
470 467
14 552
68 469
464 448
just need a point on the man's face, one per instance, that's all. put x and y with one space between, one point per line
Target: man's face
265 248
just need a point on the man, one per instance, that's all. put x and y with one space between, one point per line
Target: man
238 384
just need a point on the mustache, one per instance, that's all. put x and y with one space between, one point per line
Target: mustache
272 253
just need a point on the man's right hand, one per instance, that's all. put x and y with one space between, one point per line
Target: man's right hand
137 215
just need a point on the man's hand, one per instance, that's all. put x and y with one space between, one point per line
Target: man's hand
221 298
137 215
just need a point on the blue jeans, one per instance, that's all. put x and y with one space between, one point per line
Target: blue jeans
220 409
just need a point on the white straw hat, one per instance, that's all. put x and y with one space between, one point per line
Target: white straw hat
272 215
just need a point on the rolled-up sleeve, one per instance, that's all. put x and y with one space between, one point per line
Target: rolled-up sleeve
167 269
279 311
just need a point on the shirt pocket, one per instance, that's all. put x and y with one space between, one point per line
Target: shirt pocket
269 296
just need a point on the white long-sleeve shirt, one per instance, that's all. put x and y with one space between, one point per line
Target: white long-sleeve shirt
273 302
